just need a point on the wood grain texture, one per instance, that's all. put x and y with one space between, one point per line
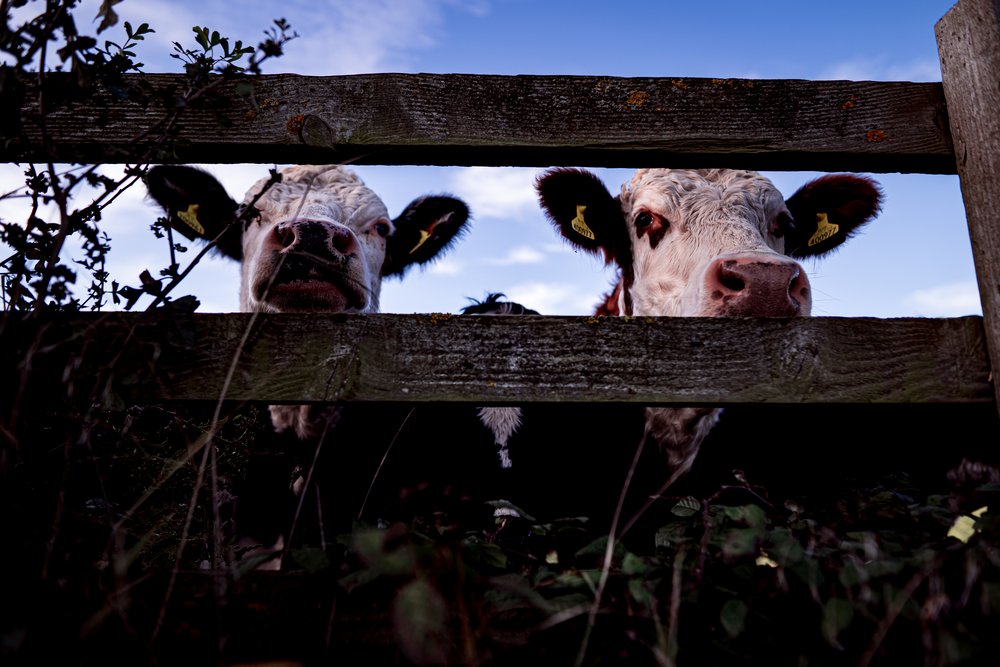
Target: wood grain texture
969 44
511 360
453 119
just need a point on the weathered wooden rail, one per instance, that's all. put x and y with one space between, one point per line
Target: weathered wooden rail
606 121
513 360
454 119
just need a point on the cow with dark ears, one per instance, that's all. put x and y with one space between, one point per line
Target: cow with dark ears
322 241
317 241
705 243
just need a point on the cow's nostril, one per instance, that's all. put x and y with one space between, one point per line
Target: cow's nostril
731 280
341 240
285 236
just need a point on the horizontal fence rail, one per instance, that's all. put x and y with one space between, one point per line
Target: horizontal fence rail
454 119
506 360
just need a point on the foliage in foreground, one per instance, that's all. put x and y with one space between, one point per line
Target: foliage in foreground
131 524
47 64
895 579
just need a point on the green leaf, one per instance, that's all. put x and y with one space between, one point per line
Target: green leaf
955 650
633 565
808 571
201 36
641 592
419 618
837 615
370 545
595 548
312 560
851 575
570 601
733 617
741 542
671 535
107 15
751 515
486 553
686 507
787 549
356 579
881 568
505 505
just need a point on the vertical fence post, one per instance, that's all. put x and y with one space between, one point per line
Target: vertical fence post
968 38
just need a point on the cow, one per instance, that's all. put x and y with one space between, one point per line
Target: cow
322 242
318 240
705 243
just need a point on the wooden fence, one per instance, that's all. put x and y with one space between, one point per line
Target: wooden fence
952 127
541 121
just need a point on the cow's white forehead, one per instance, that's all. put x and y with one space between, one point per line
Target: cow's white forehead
700 190
319 192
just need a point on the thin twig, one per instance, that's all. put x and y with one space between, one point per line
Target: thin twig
381 463
609 553
675 606
892 612
185 531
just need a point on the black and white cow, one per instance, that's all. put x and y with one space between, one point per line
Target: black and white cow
322 242
708 243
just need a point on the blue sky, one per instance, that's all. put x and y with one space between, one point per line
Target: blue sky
915 260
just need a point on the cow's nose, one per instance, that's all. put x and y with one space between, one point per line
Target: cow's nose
320 238
755 286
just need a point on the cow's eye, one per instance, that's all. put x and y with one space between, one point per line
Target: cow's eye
783 224
643 220
382 228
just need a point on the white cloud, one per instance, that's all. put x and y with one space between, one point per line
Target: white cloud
359 36
553 298
496 192
519 255
562 248
446 267
335 36
951 300
877 69
917 70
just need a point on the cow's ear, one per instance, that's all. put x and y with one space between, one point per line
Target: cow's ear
424 229
828 211
197 205
584 212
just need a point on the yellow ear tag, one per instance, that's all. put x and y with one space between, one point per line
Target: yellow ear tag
964 526
190 218
824 230
579 226
424 235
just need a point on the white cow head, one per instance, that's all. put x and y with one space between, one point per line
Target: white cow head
713 242
323 241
